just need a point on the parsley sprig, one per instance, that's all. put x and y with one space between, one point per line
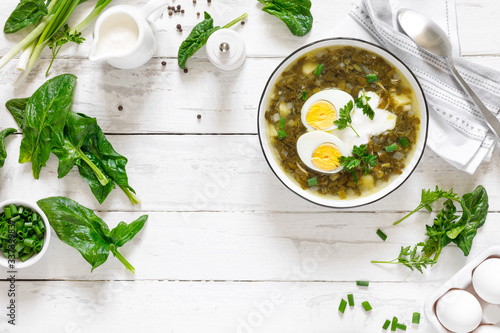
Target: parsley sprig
448 227
428 197
59 39
345 120
411 258
360 158
362 103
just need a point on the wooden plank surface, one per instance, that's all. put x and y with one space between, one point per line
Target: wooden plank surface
224 237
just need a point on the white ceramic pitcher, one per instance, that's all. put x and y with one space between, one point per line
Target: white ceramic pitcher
124 37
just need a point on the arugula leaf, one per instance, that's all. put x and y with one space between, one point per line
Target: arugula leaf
3 152
362 103
17 108
296 14
344 120
59 39
80 228
27 12
44 121
199 36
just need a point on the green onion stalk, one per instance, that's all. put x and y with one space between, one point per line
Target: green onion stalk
48 32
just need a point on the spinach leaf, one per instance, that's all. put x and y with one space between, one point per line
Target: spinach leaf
27 12
3 152
295 13
17 108
199 36
80 228
44 121
476 203
100 191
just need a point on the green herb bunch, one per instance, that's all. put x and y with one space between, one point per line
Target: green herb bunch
359 160
448 227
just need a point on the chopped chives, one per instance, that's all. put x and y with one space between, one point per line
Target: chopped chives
318 70
350 299
416 318
401 326
281 134
13 209
391 148
304 95
381 234
372 78
394 324
282 123
8 213
342 305
386 324
363 283
366 306
312 181
404 142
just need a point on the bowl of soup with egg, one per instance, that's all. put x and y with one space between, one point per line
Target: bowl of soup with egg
342 122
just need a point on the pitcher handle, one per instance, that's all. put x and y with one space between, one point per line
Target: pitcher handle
151 7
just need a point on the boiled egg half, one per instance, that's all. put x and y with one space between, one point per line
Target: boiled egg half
321 151
321 109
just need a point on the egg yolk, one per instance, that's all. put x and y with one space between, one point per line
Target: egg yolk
326 157
321 115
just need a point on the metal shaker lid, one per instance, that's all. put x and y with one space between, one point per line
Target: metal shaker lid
226 49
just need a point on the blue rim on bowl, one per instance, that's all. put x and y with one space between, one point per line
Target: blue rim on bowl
391 186
46 239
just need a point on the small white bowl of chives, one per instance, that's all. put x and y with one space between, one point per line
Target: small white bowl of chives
24 234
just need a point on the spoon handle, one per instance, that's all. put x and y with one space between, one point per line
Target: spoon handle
491 120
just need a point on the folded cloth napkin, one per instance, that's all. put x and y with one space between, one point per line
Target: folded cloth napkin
457 130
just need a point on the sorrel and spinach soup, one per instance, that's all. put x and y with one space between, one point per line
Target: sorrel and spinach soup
342 122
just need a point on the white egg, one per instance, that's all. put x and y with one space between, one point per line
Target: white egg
487 329
319 151
486 278
365 127
459 311
318 117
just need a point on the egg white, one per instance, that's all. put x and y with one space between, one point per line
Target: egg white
308 142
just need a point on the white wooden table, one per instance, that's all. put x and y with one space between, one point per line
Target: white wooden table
227 248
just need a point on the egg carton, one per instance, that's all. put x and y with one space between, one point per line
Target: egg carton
461 280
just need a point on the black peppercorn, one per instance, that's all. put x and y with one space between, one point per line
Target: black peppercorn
164 63
179 27
185 70
198 116
120 108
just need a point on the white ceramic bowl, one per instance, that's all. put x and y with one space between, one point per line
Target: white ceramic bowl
46 238
363 200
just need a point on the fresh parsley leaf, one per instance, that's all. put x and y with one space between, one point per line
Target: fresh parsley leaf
59 39
362 103
345 119
411 258
360 158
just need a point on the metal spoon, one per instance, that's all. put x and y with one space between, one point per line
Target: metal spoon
429 36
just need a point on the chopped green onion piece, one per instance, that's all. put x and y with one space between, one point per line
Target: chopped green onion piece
350 298
366 305
282 123
404 142
304 95
386 324
281 134
342 305
381 234
363 283
401 327
312 181
318 70
8 213
13 209
372 78
394 324
416 318
391 148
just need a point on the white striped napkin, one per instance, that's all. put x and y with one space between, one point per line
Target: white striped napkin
457 131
